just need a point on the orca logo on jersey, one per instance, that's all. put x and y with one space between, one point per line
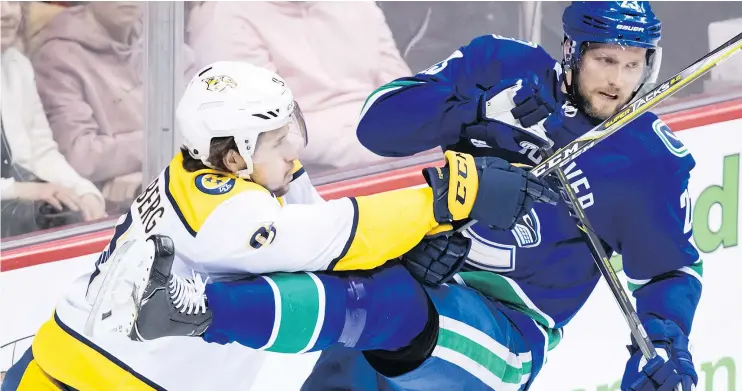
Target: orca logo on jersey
263 236
569 110
527 230
214 184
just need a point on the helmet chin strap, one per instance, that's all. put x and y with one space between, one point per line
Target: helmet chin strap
243 149
245 172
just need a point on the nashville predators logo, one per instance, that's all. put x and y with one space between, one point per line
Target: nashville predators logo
214 184
263 236
219 83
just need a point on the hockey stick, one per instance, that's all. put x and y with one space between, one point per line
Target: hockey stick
602 260
555 161
637 107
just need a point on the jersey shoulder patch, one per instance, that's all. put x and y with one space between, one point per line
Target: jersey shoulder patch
214 183
649 140
195 195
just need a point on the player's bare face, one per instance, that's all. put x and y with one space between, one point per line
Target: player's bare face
273 161
608 76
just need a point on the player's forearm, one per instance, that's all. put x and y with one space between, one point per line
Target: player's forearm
673 296
359 233
412 115
301 312
388 225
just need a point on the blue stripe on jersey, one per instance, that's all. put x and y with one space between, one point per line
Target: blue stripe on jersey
118 232
246 307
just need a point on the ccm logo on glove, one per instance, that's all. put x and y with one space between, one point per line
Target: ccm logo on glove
465 183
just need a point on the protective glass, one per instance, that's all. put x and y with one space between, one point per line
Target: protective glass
285 143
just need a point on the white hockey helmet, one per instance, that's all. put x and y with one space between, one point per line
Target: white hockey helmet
236 99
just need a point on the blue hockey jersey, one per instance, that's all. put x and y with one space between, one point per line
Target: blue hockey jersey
633 187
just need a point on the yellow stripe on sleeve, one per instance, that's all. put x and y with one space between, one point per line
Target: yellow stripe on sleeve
386 226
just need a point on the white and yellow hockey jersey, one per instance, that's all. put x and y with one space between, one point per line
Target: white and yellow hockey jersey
221 226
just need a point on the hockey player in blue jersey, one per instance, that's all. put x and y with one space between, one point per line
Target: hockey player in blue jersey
492 325
500 96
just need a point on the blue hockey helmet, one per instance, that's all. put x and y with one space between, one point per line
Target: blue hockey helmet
627 23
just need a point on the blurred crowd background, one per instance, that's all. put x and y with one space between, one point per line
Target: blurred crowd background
75 132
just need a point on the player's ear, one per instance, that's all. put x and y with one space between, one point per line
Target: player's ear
233 161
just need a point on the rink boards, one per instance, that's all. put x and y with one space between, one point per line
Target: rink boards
592 355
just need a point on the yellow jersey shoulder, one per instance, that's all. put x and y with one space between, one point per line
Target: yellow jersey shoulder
194 195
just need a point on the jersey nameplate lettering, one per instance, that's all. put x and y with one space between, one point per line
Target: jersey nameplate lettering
148 206
577 179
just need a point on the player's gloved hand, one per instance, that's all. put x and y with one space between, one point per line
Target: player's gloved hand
514 111
437 258
487 189
672 368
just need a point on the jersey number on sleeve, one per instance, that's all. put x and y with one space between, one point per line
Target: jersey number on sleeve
443 64
685 203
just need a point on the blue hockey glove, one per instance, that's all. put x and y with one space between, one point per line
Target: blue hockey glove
437 258
514 111
487 189
671 370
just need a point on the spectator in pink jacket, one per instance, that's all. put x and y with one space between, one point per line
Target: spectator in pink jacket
39 189
333 54
89 76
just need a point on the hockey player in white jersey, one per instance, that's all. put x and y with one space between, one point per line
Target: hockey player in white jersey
236 201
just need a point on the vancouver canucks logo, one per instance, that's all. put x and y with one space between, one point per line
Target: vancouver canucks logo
214 184
527 230
673 144
494 250
569 110
219 83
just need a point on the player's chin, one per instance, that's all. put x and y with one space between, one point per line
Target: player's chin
603 109
281 191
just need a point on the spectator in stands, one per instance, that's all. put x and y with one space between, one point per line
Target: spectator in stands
334 54
39 188
89 75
